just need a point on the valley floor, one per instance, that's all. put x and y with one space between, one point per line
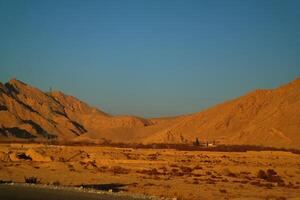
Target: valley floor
161 172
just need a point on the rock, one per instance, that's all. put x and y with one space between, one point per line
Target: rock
13 157
35 156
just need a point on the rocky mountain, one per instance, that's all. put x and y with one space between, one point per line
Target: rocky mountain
263 117
28 113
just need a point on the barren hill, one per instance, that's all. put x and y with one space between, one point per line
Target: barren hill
28 113
262 117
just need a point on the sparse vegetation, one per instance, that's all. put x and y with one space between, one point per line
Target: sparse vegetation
31 180
119 170
223 191
5 182
219 173
56 183
179 146
270 176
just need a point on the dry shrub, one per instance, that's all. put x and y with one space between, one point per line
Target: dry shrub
270 176
186 169
197 167
271 172
262 174
150 172
31 180
164 169
5 182
208 173
153 156
210 181
225 180
223 191
176 172
56 183
119 170
173 165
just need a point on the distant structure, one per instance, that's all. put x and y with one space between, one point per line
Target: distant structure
50 89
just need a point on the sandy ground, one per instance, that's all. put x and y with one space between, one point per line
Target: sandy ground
165 173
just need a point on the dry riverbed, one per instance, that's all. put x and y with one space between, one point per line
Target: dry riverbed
161 172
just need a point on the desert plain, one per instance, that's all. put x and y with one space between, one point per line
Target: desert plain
165 173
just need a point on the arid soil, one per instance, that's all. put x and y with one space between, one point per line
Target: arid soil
162 172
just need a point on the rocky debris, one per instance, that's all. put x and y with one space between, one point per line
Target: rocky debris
13 156
35 156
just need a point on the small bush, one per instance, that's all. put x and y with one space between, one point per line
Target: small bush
271 172
270 176
208 173
197 167
56 183
31 180
223 191
186 169
153 172
262 174
119 170
5 182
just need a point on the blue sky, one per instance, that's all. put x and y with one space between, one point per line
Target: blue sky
150 58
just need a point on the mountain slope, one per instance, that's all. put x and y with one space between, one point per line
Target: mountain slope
28 113
262 117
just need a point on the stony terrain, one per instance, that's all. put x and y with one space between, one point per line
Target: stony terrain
162 172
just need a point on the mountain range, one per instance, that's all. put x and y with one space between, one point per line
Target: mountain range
262 117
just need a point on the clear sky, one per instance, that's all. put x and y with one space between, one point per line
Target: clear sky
150 58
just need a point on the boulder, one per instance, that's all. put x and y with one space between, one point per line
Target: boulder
35 156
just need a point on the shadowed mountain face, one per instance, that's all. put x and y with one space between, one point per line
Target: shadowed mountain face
262 117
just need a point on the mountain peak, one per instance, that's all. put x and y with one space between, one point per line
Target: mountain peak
16 82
